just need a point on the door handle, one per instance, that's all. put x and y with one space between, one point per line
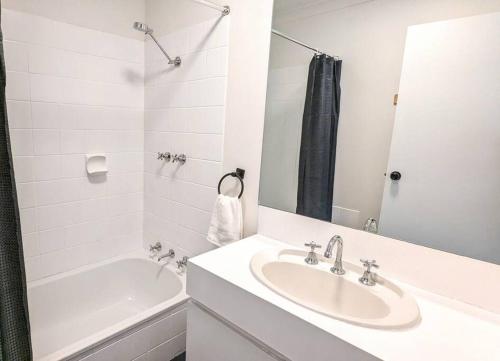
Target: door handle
395 175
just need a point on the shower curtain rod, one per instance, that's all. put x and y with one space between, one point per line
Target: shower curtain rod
316 50
225 10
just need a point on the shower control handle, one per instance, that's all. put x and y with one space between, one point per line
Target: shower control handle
181 158
164 156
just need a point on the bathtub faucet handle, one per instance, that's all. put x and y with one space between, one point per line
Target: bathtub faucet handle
170 254
182 263
154 249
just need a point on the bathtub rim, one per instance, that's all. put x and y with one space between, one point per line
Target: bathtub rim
102 338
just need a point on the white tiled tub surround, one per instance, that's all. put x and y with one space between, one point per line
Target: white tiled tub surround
121 309
184 113
72 91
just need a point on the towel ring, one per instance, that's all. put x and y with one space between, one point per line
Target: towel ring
240 174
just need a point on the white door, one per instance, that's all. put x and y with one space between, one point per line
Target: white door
446 140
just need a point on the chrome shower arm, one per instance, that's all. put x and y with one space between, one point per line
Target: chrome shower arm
148 31
176 61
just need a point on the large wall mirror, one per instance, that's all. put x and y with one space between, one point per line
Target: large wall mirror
384 115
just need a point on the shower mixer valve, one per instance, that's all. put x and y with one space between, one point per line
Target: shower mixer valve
164 156
181 158
168 157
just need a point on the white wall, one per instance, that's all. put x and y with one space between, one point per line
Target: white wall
184 113
370 38
73 91
109 16
249 41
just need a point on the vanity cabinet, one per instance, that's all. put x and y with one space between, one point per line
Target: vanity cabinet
211 339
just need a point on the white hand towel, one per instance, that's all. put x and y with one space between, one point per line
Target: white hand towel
226 225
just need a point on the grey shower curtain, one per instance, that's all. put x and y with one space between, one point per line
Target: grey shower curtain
318 144
15 344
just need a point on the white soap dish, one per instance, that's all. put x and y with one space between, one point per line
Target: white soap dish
96 164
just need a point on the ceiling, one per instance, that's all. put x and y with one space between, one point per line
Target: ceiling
295 9
280 5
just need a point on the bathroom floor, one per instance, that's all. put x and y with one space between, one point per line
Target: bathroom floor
181 357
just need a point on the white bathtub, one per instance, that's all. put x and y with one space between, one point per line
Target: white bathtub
115 310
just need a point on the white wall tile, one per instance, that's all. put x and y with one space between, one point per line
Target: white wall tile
207 120
46 167
83 92
28 220
44 60
51 240
53 263
30 245
19 114
73 165
69 64
86 94
94 187
59 215
58 191
32 266
26 195
69 115
184 113
46 141
46 88
18 86
23 169
21 141
45 115
16 56
73 141
217 62
214 91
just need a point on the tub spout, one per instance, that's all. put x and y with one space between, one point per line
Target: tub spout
170 254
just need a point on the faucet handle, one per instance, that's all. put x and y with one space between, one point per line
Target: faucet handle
368 278
164 156
312 258
369 264
182 262
155 248
313 245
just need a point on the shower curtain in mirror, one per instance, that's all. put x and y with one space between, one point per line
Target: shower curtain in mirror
15 344
319 139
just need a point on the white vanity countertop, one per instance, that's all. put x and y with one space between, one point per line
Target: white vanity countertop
449 330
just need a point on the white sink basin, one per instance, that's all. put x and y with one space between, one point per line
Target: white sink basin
384 305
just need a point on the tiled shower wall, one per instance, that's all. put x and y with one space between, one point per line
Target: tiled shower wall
72 91
184 113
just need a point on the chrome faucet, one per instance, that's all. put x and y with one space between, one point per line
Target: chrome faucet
312 258
170 254
337 265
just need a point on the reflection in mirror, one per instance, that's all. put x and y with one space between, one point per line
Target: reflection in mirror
382 115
